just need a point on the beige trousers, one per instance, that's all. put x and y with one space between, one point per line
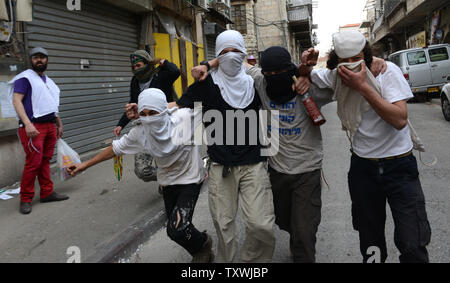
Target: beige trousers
249 187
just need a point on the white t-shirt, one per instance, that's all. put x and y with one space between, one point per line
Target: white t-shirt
187 169
375 138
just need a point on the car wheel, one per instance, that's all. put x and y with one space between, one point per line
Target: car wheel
445 108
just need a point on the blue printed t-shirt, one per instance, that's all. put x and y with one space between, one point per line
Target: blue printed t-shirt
23 86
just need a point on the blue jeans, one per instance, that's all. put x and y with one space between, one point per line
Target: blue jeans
396 181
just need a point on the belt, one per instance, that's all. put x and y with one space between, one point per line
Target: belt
388 158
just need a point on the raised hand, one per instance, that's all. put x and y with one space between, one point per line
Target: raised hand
132 111
200 73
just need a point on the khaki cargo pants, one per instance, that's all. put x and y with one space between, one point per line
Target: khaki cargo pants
249 187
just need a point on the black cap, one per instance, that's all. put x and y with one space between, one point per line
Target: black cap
276 58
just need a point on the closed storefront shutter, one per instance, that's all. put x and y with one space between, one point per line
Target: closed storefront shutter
89 60
210 47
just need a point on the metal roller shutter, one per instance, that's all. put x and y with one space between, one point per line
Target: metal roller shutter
210 47
92 99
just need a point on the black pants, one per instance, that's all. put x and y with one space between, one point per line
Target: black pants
371 183
298 203
180 201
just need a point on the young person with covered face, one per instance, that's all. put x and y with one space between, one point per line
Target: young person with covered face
238 173
295 172
166 134
374 113
147 75
36 100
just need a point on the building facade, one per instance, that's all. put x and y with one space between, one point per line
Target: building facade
89 44
401 24
266 23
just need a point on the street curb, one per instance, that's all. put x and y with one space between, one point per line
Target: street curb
125 243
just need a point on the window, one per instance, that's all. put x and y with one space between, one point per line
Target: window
396 60
416 58
239 18
439 54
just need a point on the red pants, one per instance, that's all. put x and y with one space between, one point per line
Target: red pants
39 152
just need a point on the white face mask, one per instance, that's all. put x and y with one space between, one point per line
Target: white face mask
231 63
155 123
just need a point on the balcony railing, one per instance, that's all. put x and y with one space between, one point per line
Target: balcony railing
391 5
299 14
296 3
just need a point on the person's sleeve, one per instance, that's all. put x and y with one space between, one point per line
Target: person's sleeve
171 71
22 86
257 76
123 122
192 94
394 86
132 143
322 96
323 78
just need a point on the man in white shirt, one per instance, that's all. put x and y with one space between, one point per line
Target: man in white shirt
36 100
166 134
374 112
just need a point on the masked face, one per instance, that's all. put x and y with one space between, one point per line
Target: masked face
279 86
231 63
155 123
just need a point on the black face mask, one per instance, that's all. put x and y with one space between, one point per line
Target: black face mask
279 87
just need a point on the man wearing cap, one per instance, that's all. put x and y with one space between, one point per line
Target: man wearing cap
147 75
374 113
36 101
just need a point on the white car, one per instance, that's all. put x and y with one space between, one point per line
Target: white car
425 69
445 100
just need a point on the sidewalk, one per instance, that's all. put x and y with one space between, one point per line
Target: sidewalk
103 217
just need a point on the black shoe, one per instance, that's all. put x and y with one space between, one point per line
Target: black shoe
205 255
54 197
25 207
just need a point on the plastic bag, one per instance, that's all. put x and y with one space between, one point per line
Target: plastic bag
66 157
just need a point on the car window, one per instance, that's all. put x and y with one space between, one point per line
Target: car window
396 60
439 54
416 58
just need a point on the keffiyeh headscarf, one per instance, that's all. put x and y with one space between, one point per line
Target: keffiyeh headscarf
145 73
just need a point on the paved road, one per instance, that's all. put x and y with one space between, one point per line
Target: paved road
98 210
337 242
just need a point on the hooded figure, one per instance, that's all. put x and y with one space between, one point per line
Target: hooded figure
238 170
165 134
145 73
279 85
235 85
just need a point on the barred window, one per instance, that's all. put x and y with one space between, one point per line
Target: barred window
239 18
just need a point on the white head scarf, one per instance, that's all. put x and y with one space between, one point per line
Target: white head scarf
236 87
157 128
